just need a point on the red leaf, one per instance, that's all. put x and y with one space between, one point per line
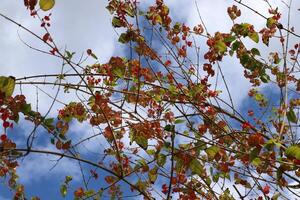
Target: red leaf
59 144
256 140
109 179
164 189
79 193
250 113
6 124
46 37
266 189
167 63
3 137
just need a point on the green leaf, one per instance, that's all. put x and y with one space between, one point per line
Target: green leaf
89 193
158 19
229 39
151 151
254 153
212 151
140 163
259 97
63 190
179 165
130 11
161 160
173 89
291 116
244 59
68 179
116 22
270 22
46 4
7 85
266 40
235 45
123 38
153 175
17 117
165 9
196 167
100 193
141 141
94 56
48 121
256 162
177 28
216 177
255 52
167 145
141 185
265 78
279 173
26 108
293 151
208 180
221 46
226 195
69 56
254 36
201 145
271 143
169 128
276 196
179 121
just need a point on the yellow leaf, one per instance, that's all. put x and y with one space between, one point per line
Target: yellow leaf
7 85
46 4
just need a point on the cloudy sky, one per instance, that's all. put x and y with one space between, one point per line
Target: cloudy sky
78 25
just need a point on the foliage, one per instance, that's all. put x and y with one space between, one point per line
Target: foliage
166 129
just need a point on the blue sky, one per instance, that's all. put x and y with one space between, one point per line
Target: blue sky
80 25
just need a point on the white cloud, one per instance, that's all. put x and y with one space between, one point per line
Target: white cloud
215 18
90 27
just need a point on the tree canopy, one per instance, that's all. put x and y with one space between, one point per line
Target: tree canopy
157 120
